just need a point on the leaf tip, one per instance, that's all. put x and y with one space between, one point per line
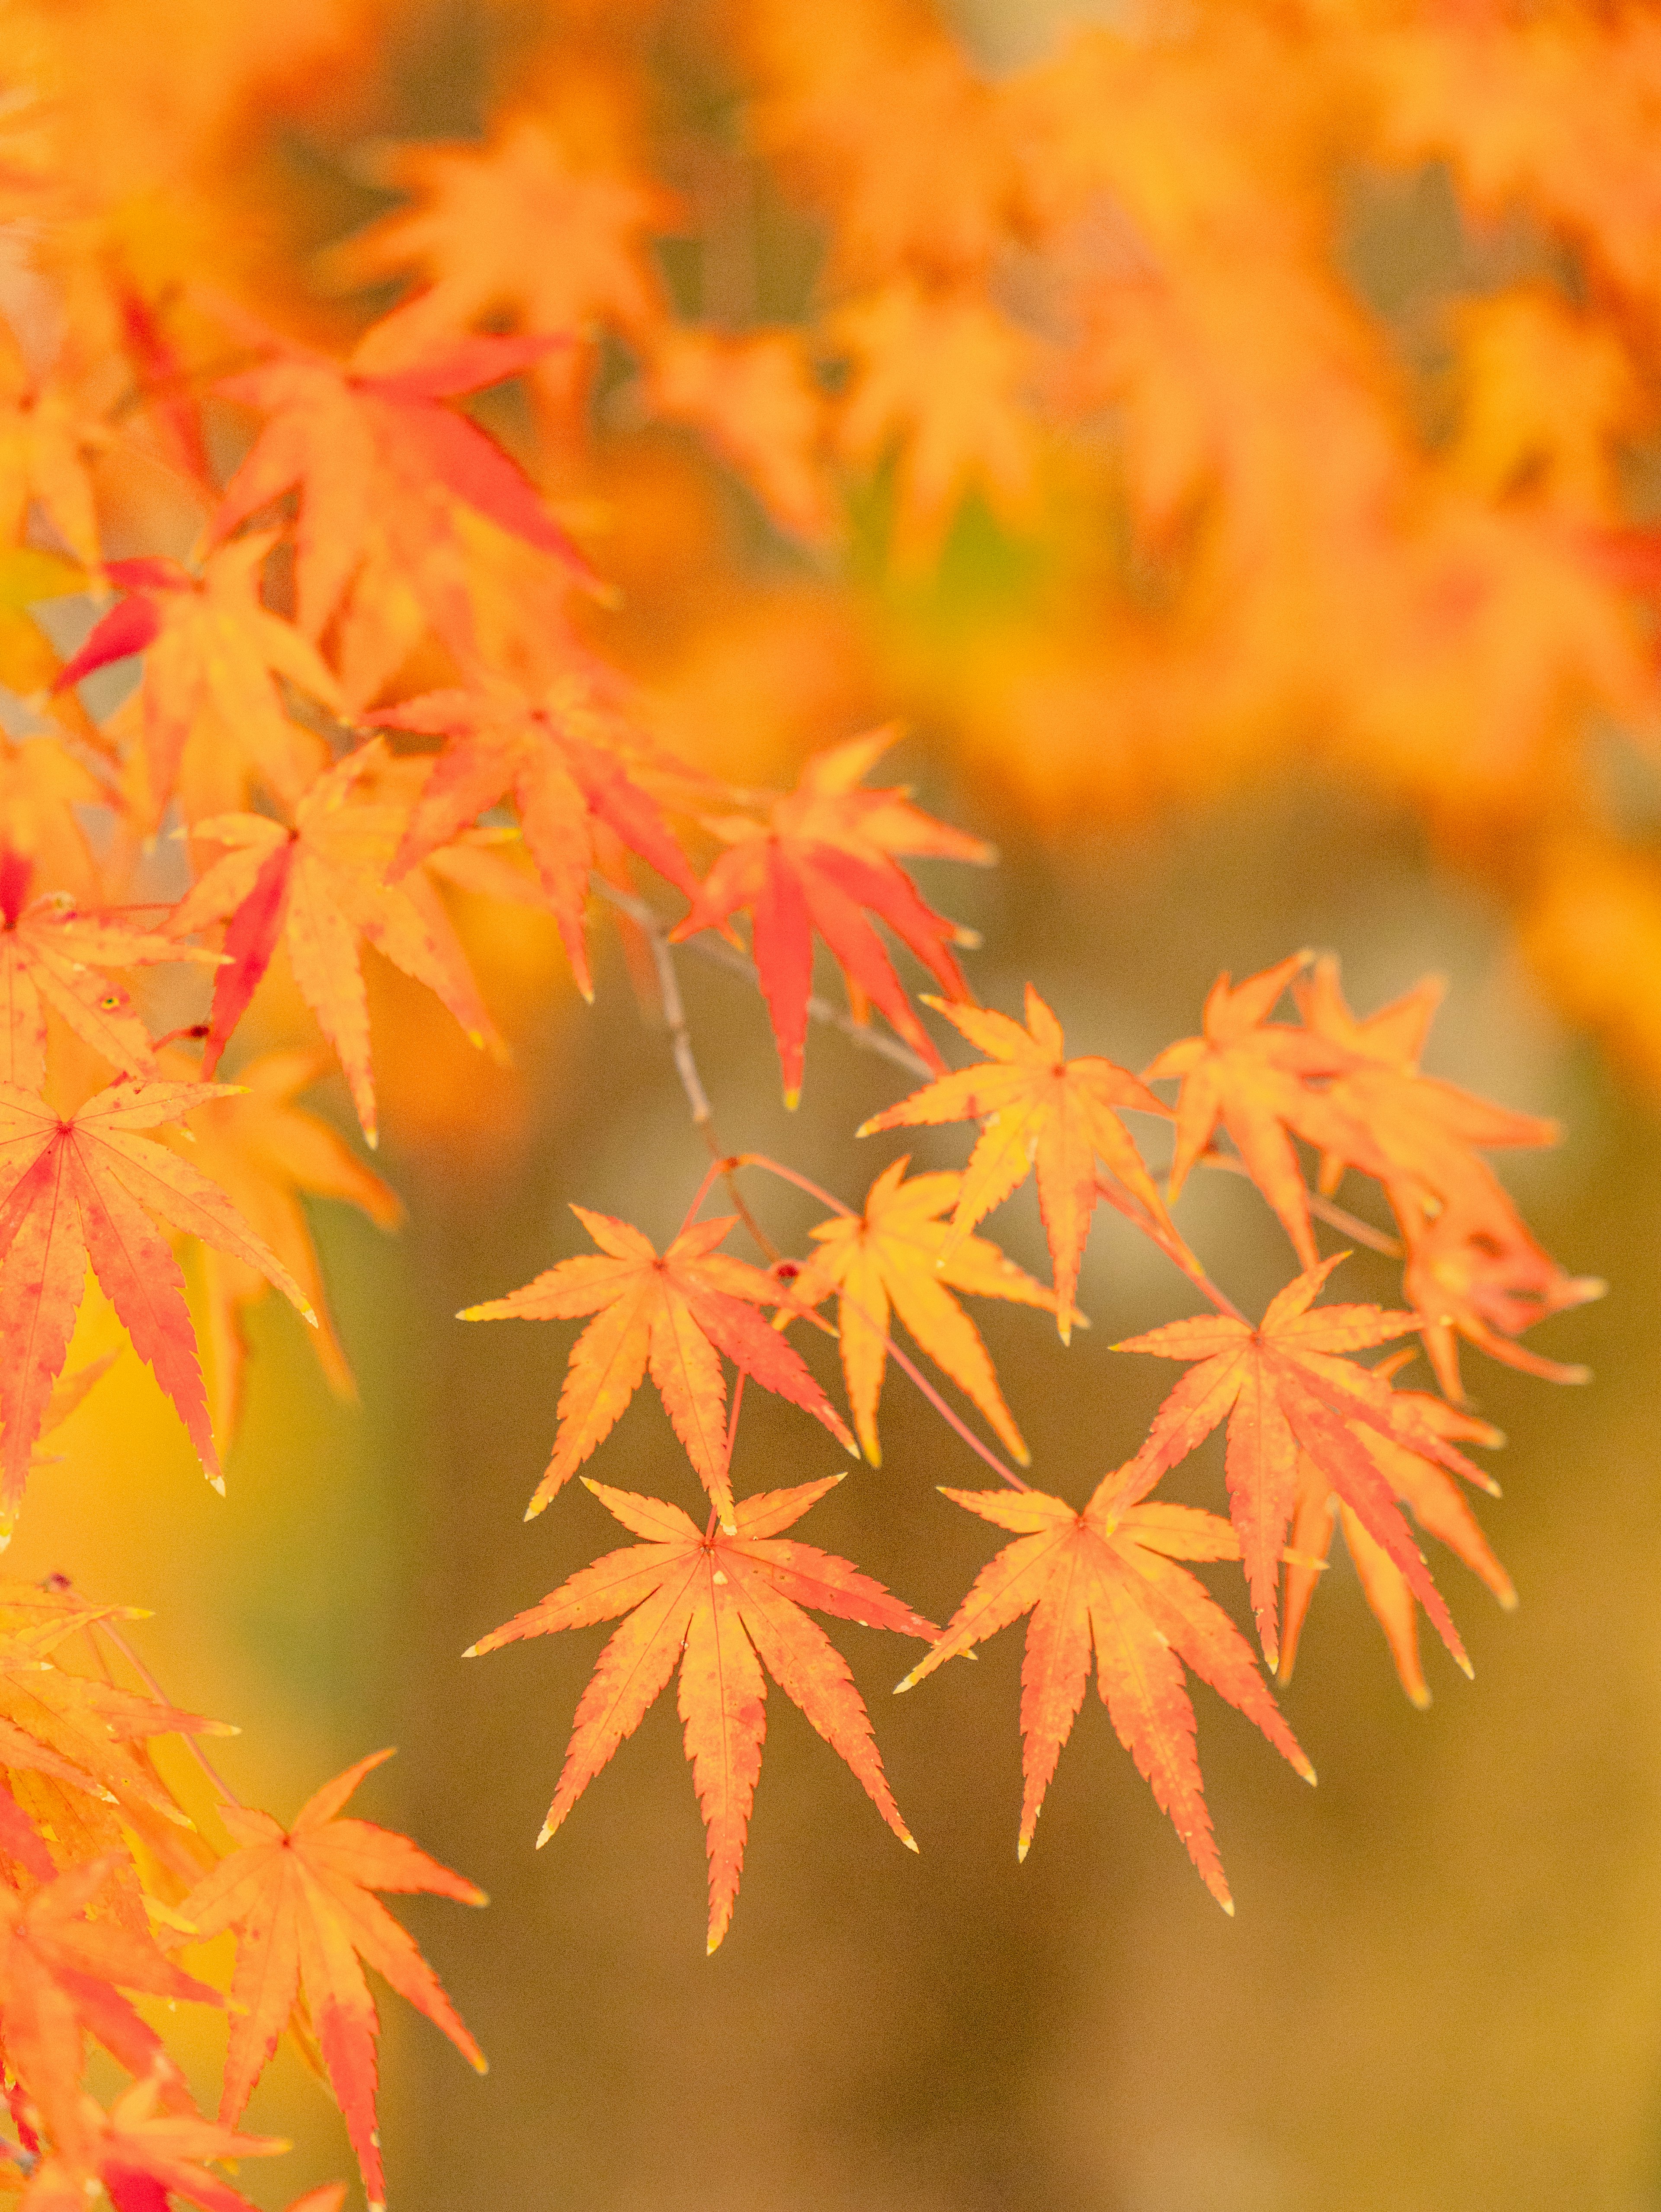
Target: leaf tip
1023 1845
217 1482
1508 1598
544 1832
909 1841
1462 1660
792 1100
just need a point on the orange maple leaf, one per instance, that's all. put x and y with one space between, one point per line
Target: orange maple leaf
67 1740
83 1188
1472 1266
724 1604
826 852
676 1311
211 711
1438 1506
939 374
518 223
756 399
1283 1387
1041 1111
380 454
573 775
140 2157
298 1899
1249 1073
46 436
61 1975
1105 1578
264 1151
898 1252
48 949
319 887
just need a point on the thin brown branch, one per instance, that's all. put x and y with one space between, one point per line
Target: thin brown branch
708 946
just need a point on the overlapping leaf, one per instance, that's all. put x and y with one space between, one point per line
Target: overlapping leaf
574 775
376 454
1438 1506
1472 1266
49 954
1250 1074
727 1606
318 888
209 706
824 857
677 1312
85 1188
1104 1582
139 2157
299 1902
61 1977
265 1152
1283 1387
1041 1111
898 1253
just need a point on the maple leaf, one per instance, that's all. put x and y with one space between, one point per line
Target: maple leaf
755 399
209 705
1042 1112
677 1312
298 1900
1284 1386
42 787
263 1151
140 2157
1249 1073
520 223
940 376
380 454
319 887
1104 1579
1438 1506
62 1974
45 437
569 770
898 1251
1402 1126
726 1605
827 851
1471 1265
83 1188
72 1743
27 576
48 949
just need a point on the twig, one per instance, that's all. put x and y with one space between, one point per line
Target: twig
708 946
228 1795
1348 1224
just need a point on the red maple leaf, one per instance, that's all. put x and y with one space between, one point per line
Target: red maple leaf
822 859
83 1188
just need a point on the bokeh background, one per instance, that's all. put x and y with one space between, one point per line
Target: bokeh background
1442 1991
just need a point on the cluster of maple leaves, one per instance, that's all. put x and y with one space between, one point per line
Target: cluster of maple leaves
331 663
